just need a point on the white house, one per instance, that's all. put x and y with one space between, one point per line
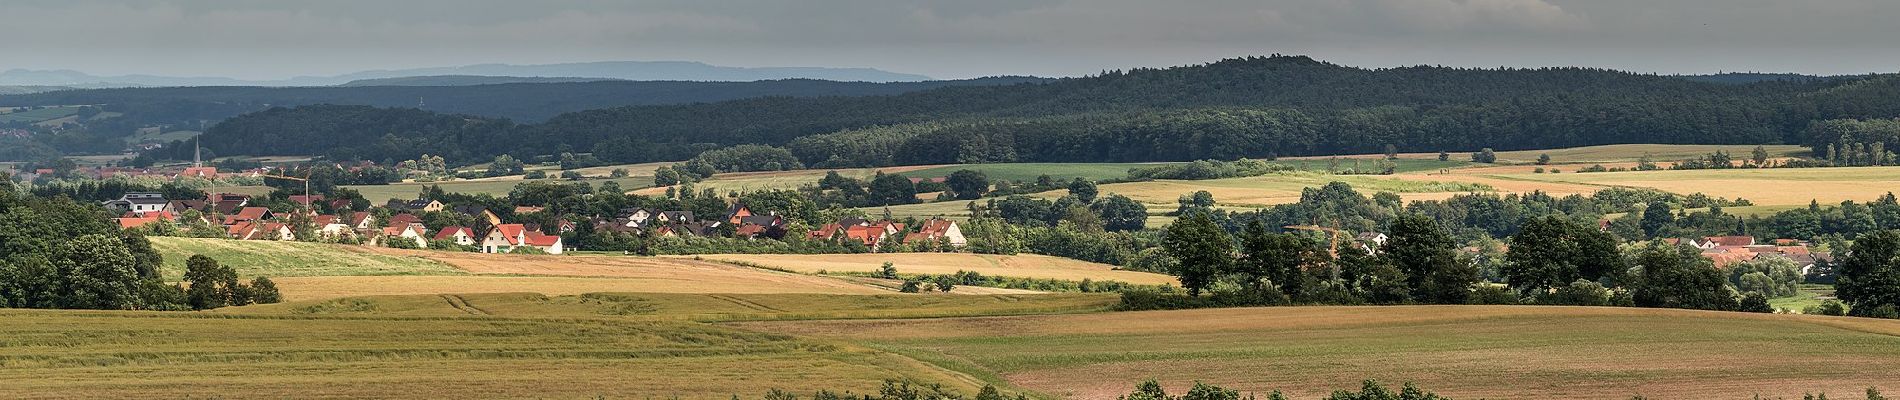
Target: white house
506 237
139 203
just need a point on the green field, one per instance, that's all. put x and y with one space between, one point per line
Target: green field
379 194
44 114
1021 172
1808 295
164 137
1459 351
289 259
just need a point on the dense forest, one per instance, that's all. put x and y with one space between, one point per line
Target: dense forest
1244 107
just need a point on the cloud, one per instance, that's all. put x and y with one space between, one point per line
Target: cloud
271 39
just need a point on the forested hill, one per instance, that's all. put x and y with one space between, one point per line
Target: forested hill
1244 107
525 101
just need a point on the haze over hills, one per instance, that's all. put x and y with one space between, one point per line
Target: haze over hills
623 70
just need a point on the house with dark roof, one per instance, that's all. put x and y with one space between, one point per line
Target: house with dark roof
139 203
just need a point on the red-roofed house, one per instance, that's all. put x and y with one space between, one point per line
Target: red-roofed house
459 234
937 229
410 232
506 237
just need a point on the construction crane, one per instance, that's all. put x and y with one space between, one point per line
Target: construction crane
306 184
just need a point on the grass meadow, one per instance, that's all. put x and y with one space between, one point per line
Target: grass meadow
1458 351
93 355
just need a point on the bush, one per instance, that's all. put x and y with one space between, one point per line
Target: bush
536 175
1493 295
1830 307
1579 293
1756 302
263 291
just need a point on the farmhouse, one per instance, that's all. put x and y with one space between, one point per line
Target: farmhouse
938 229
506 237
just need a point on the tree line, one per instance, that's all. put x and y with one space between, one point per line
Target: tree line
1244 107
68 255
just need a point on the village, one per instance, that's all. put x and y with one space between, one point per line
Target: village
400 224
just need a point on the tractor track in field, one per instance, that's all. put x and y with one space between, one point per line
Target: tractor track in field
462 304
745 303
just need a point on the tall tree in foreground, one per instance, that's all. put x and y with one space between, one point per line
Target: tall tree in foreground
1678 277
1202 250
1552 252
1870 274
1425 252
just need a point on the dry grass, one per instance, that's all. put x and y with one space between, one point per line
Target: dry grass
285 259
566 275
1273 189
106 355
1020 266
1460 351
1776 186
692 306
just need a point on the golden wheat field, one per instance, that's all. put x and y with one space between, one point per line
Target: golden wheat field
1458 351
1018 266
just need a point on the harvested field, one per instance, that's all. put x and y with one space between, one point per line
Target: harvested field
769 180
1777 186
329 287
111 355
693 306
1459 351
1273 189
1020 266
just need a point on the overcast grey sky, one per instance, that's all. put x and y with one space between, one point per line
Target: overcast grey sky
945 39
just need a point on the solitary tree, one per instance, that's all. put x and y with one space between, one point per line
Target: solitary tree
1485 156
1543 159
1424 251
1657 219
1083 190
1870 274
1201 248
1443 156
1551 252
967 184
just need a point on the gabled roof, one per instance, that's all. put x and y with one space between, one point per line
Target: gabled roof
766 220
1731 240
252 213
451 232
357 218
527 210
322 220
404 219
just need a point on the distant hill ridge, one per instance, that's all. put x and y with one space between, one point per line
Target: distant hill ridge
624 70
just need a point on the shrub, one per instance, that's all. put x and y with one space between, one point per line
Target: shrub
1830 307
1493 295
263 291
1756 302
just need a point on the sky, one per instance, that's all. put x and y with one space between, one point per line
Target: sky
945 39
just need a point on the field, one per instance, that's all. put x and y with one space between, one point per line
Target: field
1280 188
34 116
291 259
1017 266
784 180
692 306
1621 153
309 271
1767 187
1459 351
94 355
1021 172
165 137
379 194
